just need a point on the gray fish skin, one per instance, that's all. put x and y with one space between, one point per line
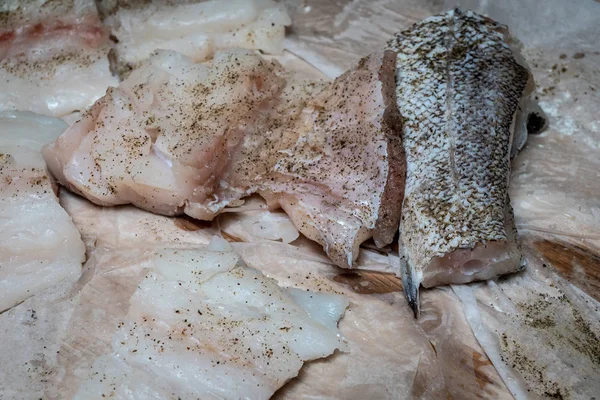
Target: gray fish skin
458 88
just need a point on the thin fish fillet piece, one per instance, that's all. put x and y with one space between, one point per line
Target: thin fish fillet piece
39 244
201 324
53 56
459 85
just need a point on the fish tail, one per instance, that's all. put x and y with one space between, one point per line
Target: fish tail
410 284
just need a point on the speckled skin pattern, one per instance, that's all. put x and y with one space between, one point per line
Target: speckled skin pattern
458 88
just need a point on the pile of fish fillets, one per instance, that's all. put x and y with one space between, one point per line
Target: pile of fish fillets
418 136
416 139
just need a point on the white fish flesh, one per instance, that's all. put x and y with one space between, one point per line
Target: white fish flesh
53 56
341 180
252 222
164 138
459 85
179 137
203 325
193 28
39 245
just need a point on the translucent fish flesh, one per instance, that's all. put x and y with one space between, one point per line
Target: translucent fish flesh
53 56
341 180
194 28
39 245
203 325
181 137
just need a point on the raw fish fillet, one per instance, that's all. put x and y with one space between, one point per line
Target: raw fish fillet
165 137
178 137
53 56
341 181
194 28
265 140
459 86
203 325
39 245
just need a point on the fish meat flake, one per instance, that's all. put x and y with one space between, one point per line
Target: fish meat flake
163 139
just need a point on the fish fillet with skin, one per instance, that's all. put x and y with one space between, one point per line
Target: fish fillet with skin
194 28
459 86
39 245
203 325
341 180
53 56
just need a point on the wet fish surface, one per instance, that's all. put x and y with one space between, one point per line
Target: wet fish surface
459 86
341 180
53 56
178 137
201 324
191 27
39 244
165 137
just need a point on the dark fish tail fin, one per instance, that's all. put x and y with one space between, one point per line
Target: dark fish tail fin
411 286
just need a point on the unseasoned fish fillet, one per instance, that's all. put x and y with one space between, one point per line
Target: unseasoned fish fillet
193 28
203 325
458 90
53 56
39 245
341 180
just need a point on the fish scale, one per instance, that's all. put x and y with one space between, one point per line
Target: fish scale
458 88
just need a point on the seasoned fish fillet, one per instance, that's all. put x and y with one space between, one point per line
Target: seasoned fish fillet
266 139
458 90
165 137
341 179
179 137
192 27
39 245
203 325
53 56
